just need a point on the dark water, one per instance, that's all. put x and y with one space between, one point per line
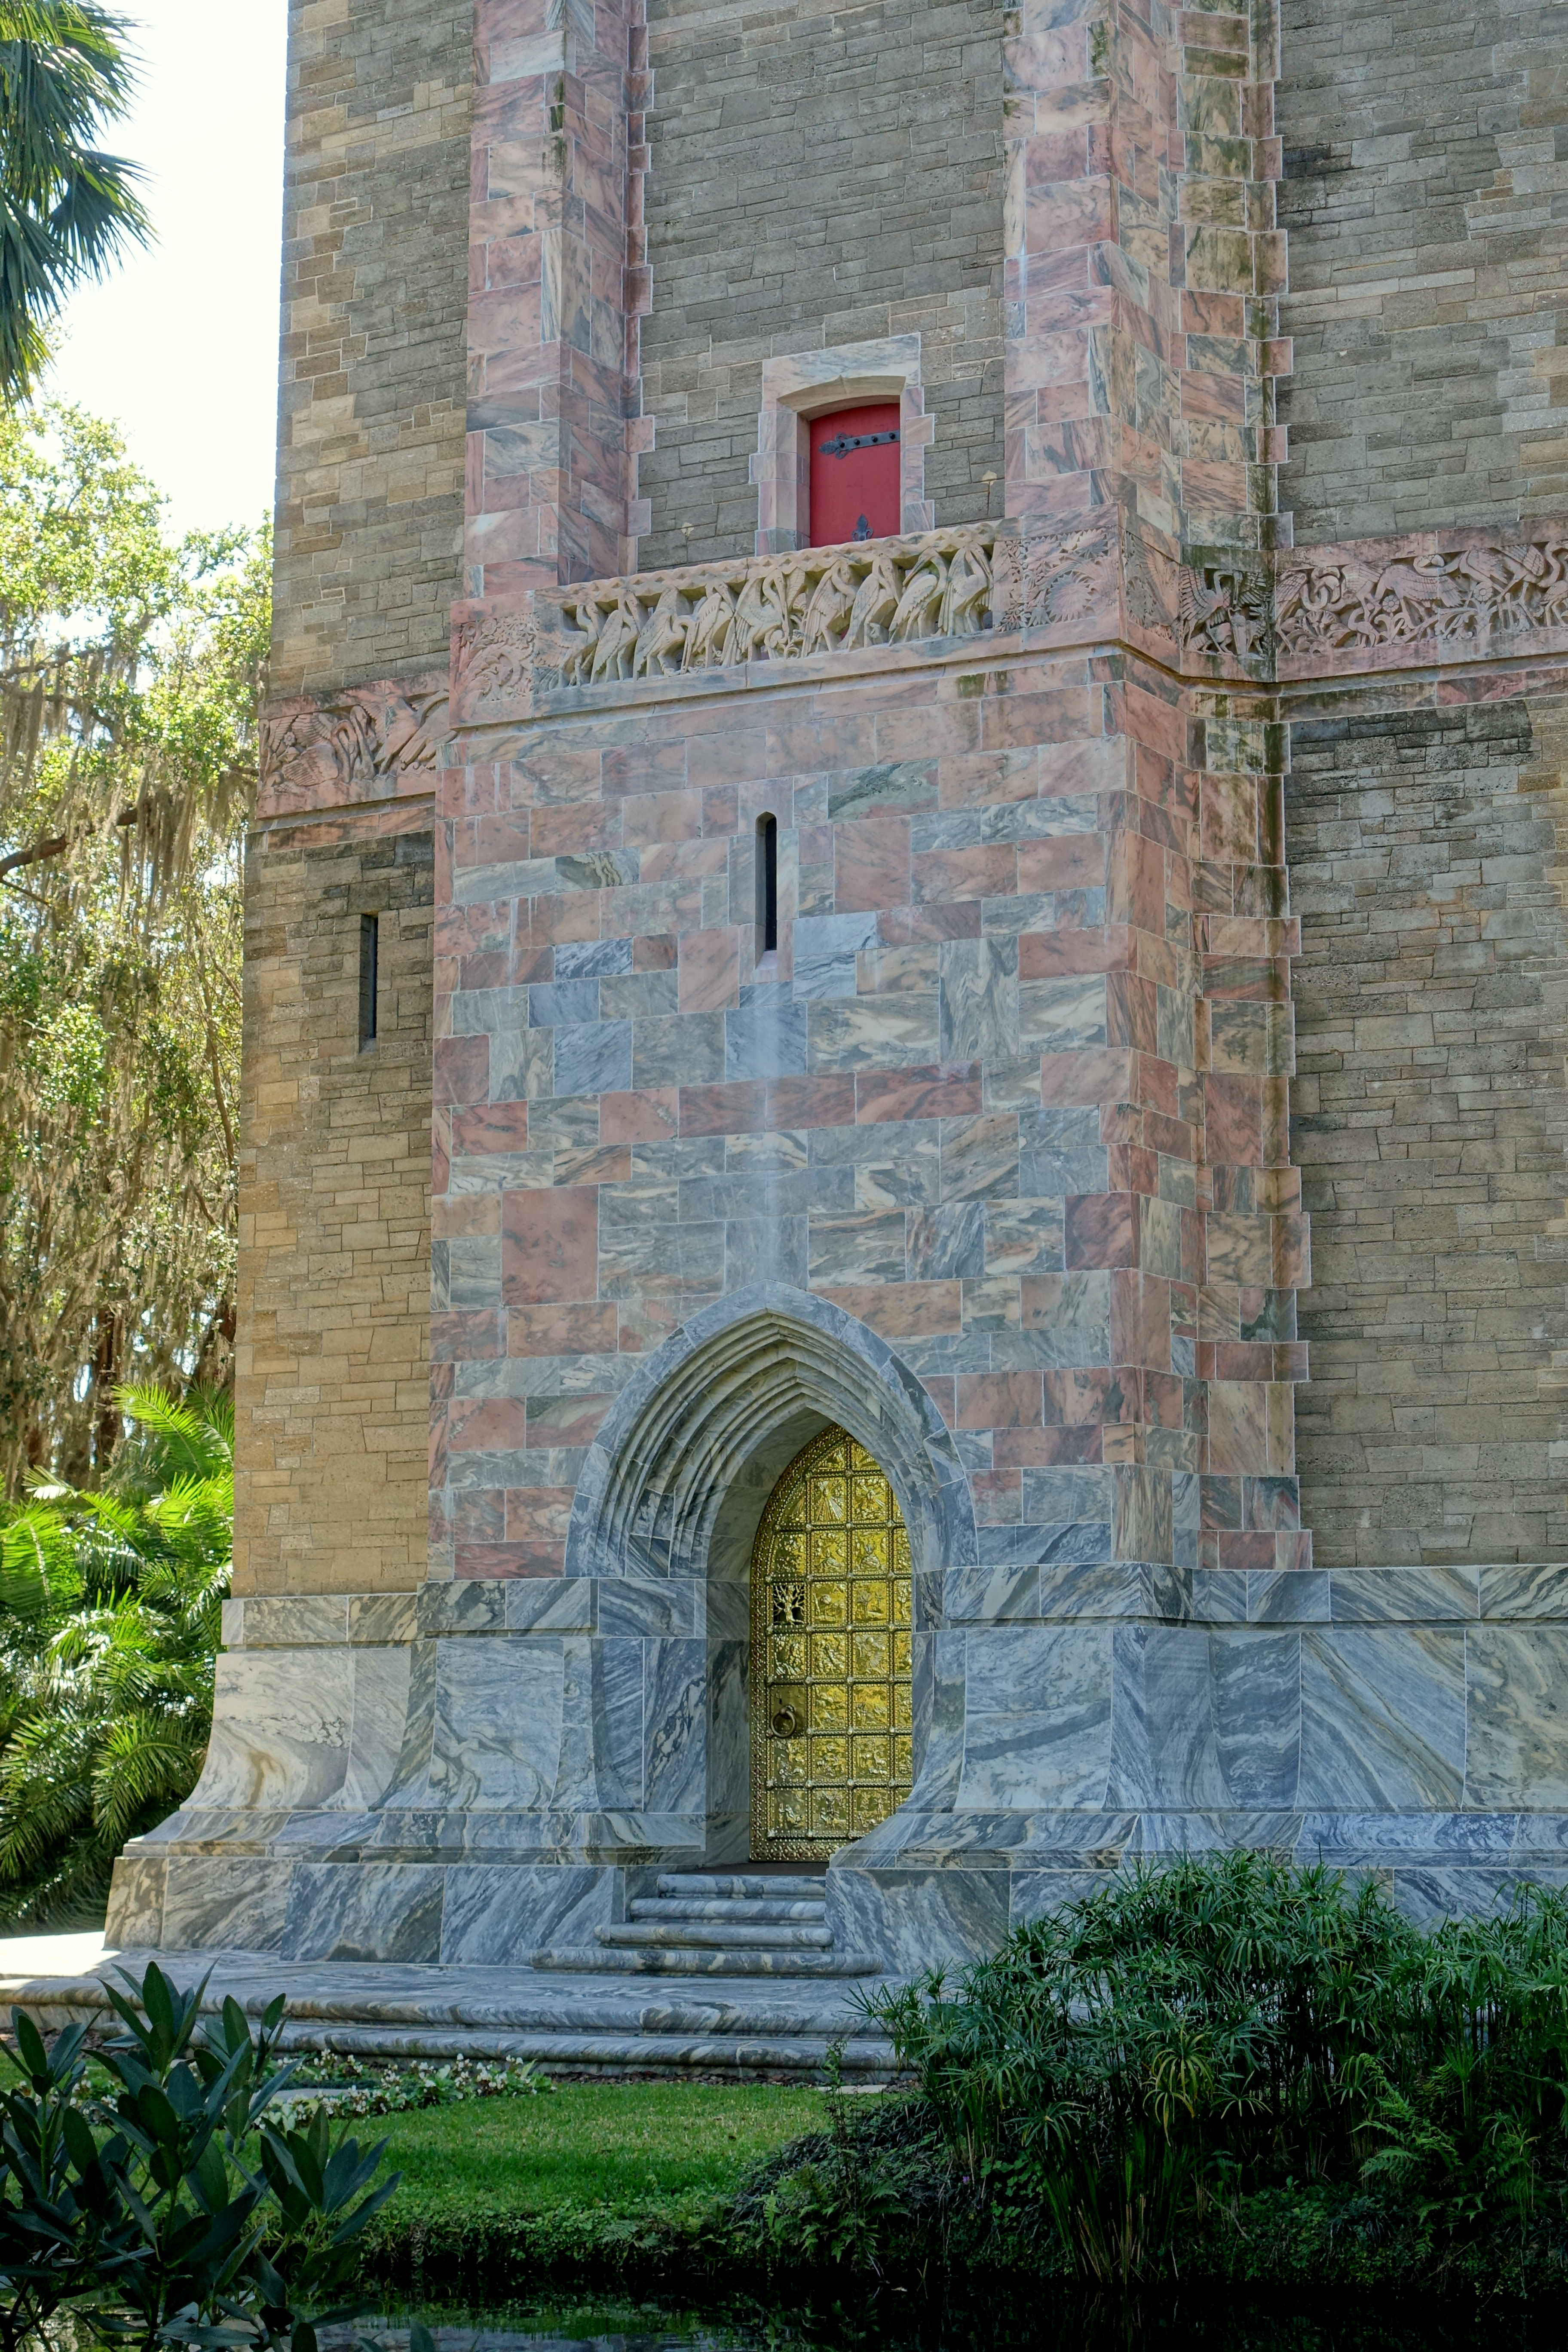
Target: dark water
1007 2319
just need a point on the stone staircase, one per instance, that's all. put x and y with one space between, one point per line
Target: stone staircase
726 1975
745 1925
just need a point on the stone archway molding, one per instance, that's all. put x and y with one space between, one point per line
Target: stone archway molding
657 1473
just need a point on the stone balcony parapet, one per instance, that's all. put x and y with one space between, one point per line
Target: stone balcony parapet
1263 618
1284 621
721 626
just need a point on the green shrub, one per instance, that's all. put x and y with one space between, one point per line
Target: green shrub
1126 2073
173 2208
109 1610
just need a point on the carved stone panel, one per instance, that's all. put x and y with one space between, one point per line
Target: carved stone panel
369 743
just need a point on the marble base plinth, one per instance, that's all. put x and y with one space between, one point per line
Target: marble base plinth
454 1778
937 1905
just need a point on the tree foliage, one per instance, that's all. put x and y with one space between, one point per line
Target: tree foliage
67 207
109 1624
130 671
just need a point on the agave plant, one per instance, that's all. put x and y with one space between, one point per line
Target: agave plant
108 1627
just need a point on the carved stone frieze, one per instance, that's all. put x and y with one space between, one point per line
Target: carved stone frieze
1371 604
1043 577
1369 600
495 656
773 608
781 608
1226 608
1248 615
320 752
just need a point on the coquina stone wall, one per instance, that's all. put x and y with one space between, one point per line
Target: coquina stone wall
1424 153
371 409
334 1167
1429 279
1430 1116
333 1369
817 177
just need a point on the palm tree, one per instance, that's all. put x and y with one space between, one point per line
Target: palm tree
110 1605
67 209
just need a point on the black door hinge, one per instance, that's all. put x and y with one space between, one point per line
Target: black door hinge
842 443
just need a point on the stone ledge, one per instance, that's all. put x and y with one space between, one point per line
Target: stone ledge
1522 1592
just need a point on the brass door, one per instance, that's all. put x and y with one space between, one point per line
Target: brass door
831 1697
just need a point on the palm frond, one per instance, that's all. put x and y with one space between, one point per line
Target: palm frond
67 208
109 1610
147 1764
37 1560
190 1437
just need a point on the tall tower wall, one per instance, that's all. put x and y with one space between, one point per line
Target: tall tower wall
1422 150
333 1353
817 177
988 1158
376 304
1423 147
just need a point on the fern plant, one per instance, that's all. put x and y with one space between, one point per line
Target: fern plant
110 1605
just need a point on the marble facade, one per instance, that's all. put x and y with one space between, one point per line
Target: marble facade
988 1162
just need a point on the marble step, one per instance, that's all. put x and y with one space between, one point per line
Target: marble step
689 1961
696 1885
660 2052
695 1935
746 2050
620 2019
714 2045
671 1906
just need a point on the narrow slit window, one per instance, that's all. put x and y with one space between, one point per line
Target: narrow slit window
767 884
369 992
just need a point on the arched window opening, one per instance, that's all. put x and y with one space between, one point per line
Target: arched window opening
856 473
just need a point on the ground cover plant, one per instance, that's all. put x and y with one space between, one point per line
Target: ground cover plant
602 2179
345 2085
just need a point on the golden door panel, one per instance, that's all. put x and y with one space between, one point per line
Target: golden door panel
831 1697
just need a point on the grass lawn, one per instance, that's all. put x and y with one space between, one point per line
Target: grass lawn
556 2170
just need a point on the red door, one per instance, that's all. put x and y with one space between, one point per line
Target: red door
855 473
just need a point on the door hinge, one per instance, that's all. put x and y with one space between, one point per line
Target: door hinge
842 443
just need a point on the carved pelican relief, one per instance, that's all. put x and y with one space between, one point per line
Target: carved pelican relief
708 631
876 603
828 614
966 594
616 648
662 642
919 610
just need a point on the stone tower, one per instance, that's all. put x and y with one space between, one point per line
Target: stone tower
863 981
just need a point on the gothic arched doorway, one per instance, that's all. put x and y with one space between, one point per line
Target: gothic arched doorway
831 1697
